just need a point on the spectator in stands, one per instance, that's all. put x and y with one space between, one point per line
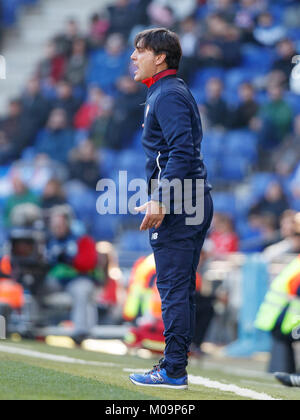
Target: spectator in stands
35 106
21 195
57 140
99 26
161 15
122 17
247 108
287 156
65 250
215 108
286 51
223 238
66 100
267 32
18 129
128 113
274 202
53 195
181 9
52 67
93 108
77 64
289 241
107 65
220 46
188 34
246 15
275 118
85 165
64 42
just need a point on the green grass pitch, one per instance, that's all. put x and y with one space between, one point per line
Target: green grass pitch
26 377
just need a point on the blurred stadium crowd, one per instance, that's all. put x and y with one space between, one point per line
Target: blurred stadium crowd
79 119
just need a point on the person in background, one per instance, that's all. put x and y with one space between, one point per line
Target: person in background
52 66
215 108
267 32
223 239
65 100
274 202
64 41
93 108
77 64
57 140
84 165
73 261
35 105
53 195
21 195
280 314
128 114
286 158
273 123
286 51
108 64
242 115
289 241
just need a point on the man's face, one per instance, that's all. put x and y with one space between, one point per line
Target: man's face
146 63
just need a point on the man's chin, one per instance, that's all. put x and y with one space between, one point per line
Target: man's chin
138 78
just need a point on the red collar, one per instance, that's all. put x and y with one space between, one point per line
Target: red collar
151 80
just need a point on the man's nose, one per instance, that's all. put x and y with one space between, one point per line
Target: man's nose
133 56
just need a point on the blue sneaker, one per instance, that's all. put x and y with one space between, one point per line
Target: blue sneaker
157 377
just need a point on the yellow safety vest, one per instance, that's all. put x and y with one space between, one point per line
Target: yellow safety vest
140 293
278 299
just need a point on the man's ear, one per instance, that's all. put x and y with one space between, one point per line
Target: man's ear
160 58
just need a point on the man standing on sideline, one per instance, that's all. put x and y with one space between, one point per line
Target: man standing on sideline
172 142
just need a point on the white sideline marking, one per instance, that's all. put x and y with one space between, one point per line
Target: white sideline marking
242 392
195 380
52 357
208 383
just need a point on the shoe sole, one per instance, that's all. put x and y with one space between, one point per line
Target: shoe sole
160 385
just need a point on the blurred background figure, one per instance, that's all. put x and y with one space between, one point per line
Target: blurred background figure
73 261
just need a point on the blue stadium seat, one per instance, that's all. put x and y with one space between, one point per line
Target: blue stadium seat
105 227
224 203
213 143
234 168
202 76
255 57
294 101
259 183
242 143
135 241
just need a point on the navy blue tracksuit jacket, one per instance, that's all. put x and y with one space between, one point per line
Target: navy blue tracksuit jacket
172 142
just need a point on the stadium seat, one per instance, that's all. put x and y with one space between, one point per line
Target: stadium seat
202 76
224 202
234 167
135 241
242 143
255 57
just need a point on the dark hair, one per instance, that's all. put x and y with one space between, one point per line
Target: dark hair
161 40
